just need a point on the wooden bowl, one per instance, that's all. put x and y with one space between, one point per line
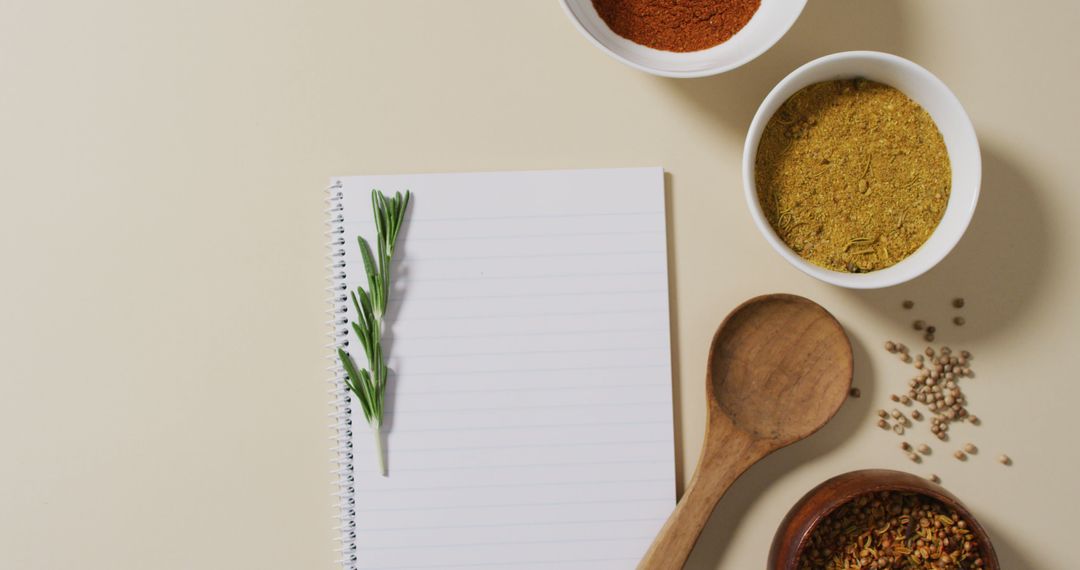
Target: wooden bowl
794 532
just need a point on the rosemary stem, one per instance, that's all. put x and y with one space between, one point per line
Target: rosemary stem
376 432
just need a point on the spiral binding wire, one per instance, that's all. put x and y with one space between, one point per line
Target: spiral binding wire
339 392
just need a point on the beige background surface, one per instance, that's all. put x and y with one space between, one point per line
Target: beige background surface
162 402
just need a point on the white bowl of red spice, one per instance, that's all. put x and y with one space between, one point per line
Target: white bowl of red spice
862 169
683 38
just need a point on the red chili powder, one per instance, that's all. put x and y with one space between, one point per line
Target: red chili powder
677 25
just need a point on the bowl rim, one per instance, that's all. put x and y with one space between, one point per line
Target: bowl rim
878 480
705 72
873 279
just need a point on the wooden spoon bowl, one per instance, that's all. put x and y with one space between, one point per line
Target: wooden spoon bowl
794 533
780 367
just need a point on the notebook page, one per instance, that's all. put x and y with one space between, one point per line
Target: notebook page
529 410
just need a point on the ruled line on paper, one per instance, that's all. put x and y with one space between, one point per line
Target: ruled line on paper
527 216
534 236
561 334
520 370
503 485
503 564
537 295
529 426
509 505
524 465
406 355
518 408
539 276
559 388
530 524
521 315
510 542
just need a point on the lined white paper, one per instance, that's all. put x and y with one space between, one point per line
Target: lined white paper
529 408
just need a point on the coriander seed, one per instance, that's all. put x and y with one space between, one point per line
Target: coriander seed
855 393
924 449
908 304
970 448
890 346
958 302
899 429
883 424
935 479
883 414
960 455
919 325
1004 459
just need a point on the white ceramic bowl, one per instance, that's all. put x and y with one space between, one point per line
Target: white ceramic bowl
765 28
954 124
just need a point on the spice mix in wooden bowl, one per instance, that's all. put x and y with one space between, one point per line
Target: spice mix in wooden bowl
852 175
889 530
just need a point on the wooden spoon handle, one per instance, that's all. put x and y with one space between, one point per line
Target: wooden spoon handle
720 465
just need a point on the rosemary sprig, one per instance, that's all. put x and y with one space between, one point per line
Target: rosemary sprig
369 384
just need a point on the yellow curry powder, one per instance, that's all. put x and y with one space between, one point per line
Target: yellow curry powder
852 174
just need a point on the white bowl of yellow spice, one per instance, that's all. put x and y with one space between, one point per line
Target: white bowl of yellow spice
862 169
683 38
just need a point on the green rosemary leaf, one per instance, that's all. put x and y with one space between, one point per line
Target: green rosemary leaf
369 384
357 381
359 311
366 314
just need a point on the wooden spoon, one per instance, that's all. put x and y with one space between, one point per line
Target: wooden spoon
780 367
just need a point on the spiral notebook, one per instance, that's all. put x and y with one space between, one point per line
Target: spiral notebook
529 410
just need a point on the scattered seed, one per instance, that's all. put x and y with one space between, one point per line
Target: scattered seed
883 414
919 325
895 414
929 352
883 424
905 400
894 397
924 449
934 478
855 392
916 414
905 446
890 346
974 419
906 358
1004 459
931 329
914 457
959 321
970 448
908 304
928 337
899 429
960 455
958 302
965 354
